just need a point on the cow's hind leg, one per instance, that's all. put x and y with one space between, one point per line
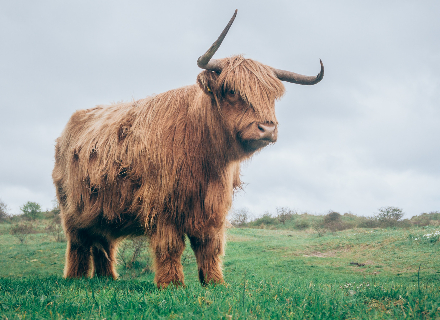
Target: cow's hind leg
208 251
167 245
78 255
104 258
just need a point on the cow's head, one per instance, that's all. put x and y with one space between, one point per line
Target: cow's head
245 91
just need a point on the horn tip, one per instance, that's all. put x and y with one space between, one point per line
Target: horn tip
234 15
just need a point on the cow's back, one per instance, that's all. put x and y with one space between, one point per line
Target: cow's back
121 160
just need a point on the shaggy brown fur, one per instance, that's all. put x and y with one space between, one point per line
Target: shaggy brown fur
164 166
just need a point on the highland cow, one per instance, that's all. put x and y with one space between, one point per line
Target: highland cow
165 166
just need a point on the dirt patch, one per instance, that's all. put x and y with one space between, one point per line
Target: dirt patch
238 238
327 254
317 254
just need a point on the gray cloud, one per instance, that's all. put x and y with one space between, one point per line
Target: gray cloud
364 137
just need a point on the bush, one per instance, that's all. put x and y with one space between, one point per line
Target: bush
31 210
130 251
187 257
369 223
320 231
265 219
284 214
21 231
425 219
301 224
435 223
55 229
56 208
404 224
389 216
333 222
332 216
4 215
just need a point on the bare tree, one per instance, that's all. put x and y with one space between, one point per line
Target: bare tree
240 217
56 207
55 229
4 215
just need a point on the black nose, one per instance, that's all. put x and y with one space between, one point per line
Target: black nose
268 131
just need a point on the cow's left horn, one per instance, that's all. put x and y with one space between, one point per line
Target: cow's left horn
205 61
299 78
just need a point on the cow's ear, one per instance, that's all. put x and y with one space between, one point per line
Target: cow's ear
207 81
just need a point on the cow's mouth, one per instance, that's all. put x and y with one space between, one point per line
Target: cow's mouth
253 145
257 135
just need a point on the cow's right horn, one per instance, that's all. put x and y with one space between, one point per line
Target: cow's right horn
205 61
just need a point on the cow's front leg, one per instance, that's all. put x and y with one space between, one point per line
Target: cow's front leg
209 250
167 245
78 255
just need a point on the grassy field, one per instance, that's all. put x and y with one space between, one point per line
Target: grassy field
270 274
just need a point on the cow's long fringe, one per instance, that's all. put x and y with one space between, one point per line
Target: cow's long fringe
256 83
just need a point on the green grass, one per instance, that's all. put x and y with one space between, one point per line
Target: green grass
270 274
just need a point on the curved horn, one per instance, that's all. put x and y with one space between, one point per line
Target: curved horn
205 61
299 78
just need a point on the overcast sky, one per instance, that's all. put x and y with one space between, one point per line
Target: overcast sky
367 136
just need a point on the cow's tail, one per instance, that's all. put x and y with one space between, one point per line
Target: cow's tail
101 248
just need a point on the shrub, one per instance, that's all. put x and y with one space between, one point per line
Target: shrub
320 231
130 251
265 219
56 208
389 216
435 223
31 210
55 229
21 231
332 216
284 214
369 223
333 222
4 215
425 219
404 224
301 224
187 257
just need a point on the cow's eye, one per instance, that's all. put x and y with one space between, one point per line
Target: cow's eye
231 92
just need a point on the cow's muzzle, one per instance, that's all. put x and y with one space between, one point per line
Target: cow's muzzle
258 135
267 131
